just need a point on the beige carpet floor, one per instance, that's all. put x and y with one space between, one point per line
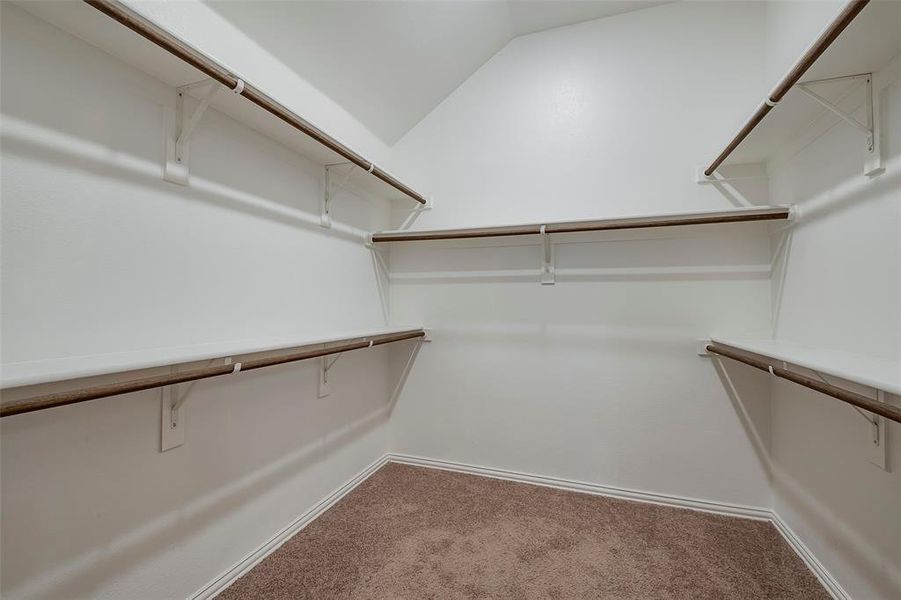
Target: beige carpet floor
411 532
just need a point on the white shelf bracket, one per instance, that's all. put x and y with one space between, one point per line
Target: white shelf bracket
547 258
330 185
172 411
325 212
871 129
415 212
325 364
178 137
879 443
877 448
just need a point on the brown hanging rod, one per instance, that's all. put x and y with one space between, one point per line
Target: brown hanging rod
878 408
175 46
819 46
699 218
45 401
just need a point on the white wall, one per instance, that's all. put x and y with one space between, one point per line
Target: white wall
790 28
607 117
594 378
205 28
842 291
101 255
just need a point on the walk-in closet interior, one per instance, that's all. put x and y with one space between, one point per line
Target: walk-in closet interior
404 299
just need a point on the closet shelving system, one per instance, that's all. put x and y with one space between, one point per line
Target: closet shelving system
136 40
231 358
736 215
774 356
145 45
837 74
834 75
163 55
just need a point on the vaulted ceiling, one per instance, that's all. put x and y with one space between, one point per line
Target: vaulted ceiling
390 62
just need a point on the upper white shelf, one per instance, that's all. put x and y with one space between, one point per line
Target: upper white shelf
731 215
868 44
61 369
877 373
116 39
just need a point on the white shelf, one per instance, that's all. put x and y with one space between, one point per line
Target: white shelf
89 24
877 373
868 44
749 214
61 369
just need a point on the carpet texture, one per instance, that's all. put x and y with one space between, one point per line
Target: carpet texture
412 532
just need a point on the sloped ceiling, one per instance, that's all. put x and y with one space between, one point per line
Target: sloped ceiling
390 62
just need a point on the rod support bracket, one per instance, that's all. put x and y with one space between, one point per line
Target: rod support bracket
325 208
172 418
701 347
172 410
870 128
794 213
178 134
878 446
548 276
325 365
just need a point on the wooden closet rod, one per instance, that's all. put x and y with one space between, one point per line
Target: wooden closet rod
879 408
832 31
203 63
699 218
45 401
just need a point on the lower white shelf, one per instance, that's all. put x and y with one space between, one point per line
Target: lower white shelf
17 374
881 374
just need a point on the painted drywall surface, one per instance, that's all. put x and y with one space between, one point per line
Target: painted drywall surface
96 238
595 378
790 28
206 29
605 118
842 291
392 61
101 255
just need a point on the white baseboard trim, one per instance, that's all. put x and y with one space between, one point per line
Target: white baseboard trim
822 574
720 508
221 582
218 584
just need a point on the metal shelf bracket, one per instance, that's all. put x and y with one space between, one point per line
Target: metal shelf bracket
178 137
325 365
548 276
172 411
871 130
328 193
416 211
877 447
